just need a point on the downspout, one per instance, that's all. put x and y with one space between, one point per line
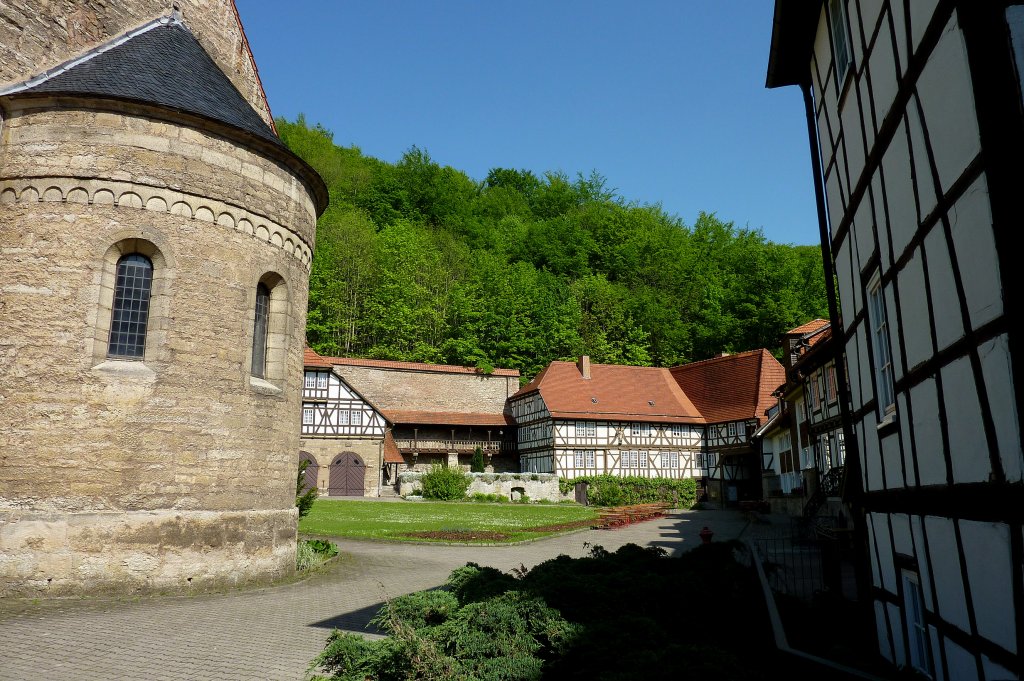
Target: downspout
852 490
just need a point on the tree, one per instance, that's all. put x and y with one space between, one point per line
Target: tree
304 499
476 464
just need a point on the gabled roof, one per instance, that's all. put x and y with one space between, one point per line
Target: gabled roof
732 387
159 63
809 327
629 393
816 353
793 27
313 359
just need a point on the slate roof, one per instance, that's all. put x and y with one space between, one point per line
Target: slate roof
163 65
313 359
646 394
733 387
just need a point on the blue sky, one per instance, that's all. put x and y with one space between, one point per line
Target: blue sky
665 99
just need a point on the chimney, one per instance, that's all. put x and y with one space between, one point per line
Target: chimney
584 366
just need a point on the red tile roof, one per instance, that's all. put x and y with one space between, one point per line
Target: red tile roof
613 392
391 453
446 418
817 345
312 359
813 325
732 387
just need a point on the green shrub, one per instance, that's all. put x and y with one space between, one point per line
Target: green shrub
612 490
444 483
476 464
523 499
313 553
304 499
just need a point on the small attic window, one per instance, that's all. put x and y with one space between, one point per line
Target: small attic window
650 402
594 400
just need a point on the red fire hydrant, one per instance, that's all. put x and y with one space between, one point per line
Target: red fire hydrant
706 534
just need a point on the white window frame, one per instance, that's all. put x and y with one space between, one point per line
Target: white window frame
321 381
917 629
310 380
578 458
356 418
731 429
642 460
879 332
841 56
590 458
586 429
342 416
677 430
307 415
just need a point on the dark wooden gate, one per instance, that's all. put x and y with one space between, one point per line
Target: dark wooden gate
312 471
347 476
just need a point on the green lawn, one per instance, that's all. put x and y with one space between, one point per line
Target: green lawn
440 520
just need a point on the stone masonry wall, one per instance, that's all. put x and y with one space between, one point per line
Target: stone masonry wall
536 486
33 40
144 474
324 450
430 391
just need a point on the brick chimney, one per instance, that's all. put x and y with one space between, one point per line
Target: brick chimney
584 366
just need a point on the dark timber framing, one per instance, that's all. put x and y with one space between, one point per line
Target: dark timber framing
901 182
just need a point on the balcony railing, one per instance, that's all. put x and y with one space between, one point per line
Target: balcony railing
460 446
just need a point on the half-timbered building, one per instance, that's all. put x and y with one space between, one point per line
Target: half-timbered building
914 116
732 393
343 433
802 444
384 417
577 419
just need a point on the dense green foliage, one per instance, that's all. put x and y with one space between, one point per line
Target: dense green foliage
313 553
476 464
632 614
612 490
416 261
444 483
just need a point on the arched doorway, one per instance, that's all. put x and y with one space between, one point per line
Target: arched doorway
347 476
311 474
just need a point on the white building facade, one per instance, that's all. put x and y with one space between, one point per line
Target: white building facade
915 116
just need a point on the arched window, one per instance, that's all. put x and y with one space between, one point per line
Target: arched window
130 310
260 327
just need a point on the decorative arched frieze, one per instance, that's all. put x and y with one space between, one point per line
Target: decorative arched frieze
157 200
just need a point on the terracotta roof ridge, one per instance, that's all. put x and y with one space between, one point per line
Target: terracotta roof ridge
414 366
718 358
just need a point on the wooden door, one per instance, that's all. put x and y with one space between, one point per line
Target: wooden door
347 476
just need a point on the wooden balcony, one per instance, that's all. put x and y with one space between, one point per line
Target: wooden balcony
424 446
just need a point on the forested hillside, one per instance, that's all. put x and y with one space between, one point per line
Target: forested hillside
419 262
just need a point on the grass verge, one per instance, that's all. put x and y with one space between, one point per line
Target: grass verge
440 521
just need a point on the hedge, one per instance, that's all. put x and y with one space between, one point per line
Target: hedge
612 490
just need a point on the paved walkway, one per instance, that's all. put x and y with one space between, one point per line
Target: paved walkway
273 633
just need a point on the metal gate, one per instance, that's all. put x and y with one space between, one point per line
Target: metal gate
347 476
312 471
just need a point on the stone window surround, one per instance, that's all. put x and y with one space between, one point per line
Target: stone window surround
278 331
149 243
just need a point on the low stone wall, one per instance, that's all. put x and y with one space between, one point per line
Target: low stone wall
536 486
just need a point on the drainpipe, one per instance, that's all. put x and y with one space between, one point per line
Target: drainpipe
852 489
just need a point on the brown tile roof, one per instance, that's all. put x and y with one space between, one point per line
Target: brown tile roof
315 360
391 453
815 354
613 392
813 325
732 387
446 418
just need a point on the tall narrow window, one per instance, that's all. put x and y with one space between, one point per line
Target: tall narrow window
259 335
840 41
880 345
913 604
130 315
